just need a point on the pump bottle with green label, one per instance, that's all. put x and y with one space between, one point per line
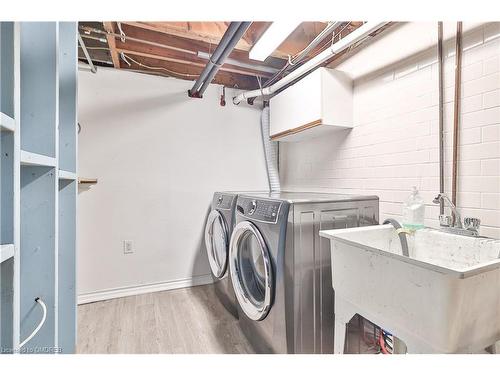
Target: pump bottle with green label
414 211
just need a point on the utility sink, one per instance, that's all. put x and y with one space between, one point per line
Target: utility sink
443 298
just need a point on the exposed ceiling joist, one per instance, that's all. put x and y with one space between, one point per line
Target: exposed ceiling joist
108 26
195 62
189 72
208 32
182 48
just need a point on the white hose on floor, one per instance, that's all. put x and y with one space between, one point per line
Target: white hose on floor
44 317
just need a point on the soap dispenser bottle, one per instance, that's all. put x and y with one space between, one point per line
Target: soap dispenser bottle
414 211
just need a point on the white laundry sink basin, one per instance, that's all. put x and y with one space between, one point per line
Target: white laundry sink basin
443 298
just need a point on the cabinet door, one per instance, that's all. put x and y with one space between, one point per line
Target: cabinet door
296 106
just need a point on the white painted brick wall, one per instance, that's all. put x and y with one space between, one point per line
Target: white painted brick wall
394 143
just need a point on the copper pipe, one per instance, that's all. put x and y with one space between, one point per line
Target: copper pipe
456 114
441 113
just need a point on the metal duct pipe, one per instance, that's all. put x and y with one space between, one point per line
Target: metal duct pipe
229 48
93 69
226 38
354 37
260 68
213 62
271 152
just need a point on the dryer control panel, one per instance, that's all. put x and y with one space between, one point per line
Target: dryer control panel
223 201
259 209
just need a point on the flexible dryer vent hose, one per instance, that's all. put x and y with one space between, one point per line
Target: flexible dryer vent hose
270 152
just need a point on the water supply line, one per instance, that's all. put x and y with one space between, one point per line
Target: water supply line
356 36
441 113
39 326
456 112
401 234
271 152
226 45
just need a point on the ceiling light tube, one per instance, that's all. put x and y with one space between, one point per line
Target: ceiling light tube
271 39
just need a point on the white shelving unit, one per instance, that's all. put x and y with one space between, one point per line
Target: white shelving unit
6 252
30 158
38 192
9 188
65 175
7 123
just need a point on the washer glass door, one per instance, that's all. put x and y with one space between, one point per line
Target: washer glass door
216 241
251 271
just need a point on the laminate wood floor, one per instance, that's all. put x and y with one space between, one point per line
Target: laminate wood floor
190 320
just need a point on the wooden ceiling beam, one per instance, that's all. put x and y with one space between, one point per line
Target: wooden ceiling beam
141 49
108 26
208 32
190 72
175 46
187 45
299 39
224 68
211 33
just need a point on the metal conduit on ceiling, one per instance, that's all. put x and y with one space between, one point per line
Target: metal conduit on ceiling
229 40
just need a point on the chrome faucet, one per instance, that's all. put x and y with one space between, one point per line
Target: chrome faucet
446 220
470 225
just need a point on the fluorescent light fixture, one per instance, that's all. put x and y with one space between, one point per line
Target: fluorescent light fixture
271 39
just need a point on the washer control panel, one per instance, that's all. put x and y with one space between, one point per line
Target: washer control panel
259 209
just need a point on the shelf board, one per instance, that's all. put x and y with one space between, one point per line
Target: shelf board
31 158
7 122
6 252
65 175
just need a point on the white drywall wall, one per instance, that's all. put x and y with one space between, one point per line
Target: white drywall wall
394 142
158 156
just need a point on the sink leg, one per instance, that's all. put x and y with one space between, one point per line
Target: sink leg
339 339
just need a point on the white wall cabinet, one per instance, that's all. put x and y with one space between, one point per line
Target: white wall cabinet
38 195
318 103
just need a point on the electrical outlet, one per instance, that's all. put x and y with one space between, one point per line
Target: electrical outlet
127 247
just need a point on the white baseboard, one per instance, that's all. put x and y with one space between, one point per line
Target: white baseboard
102 295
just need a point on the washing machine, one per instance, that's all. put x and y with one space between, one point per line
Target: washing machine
280 268
218 229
